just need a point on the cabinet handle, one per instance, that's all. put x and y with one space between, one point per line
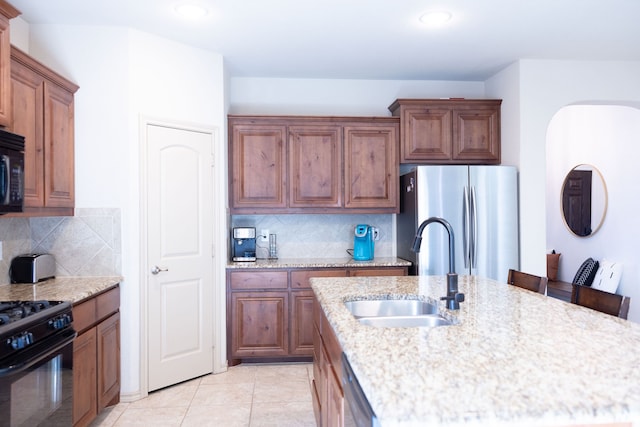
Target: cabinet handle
156 270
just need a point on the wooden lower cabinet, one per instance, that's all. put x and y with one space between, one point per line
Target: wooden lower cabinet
85 380
301 317
270 311
259 324
108 359
96 356
327 393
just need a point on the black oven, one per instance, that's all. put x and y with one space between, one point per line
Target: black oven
11 172
36 365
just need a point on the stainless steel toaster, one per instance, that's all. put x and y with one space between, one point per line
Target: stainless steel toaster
32 268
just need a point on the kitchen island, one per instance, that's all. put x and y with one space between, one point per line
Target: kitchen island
511 358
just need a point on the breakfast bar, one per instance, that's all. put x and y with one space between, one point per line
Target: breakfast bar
510 357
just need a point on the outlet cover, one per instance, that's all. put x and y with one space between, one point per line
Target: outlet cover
264 236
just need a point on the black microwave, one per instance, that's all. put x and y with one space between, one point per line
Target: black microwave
11 172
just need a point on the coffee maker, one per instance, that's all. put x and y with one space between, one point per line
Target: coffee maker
363 242
243 244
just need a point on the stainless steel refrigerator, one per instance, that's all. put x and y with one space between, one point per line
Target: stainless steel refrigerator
480 203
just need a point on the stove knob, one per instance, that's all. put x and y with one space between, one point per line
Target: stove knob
16 343
60 321
21 341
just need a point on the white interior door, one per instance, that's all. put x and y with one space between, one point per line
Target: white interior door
179 252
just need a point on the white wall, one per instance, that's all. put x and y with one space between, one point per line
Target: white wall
122 75
541 89
337 97
607 138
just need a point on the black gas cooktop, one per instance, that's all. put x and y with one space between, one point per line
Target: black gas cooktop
26 323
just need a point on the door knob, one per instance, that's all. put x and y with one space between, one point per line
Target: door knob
156 270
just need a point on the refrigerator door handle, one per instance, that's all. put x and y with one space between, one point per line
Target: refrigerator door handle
473 244
466 225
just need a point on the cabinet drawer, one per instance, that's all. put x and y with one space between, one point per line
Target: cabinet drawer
300 278
84 315
108 303
368 272
258 280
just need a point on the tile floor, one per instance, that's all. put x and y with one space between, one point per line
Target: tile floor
244 396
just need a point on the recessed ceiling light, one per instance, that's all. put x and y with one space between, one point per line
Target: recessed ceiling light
191 10
436 18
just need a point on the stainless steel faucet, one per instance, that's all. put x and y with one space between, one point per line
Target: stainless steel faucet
453 297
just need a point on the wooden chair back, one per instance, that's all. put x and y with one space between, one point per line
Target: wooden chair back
605 302
527 281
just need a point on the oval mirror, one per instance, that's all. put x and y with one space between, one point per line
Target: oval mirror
584 200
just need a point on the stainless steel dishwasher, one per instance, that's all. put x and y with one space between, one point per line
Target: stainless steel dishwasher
357 410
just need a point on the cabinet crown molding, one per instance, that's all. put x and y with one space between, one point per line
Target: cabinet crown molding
37 66
8 10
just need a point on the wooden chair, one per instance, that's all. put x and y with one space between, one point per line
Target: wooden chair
527 281
605 302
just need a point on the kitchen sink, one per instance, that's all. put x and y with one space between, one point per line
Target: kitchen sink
405 321
390 307
396 313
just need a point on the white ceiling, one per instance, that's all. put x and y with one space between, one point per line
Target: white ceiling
372 39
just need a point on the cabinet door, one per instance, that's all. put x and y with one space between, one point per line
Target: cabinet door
108 357
319 395
58 147
302 323
85 407
476 134
258 166
315 172
335 400
426 134
259 324
371 167
5 69
28 121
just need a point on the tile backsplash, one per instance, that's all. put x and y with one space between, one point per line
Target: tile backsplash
319 236
87 244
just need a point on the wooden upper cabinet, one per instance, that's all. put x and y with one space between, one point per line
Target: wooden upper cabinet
449 131
258 166
59 187
7 12
371 166
28 121
43 112
476 134
427 134
334 164
315 160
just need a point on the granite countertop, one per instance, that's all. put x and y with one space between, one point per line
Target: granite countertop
74 289
345 262
512 358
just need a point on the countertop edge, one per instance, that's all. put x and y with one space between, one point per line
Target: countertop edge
63 288
319 263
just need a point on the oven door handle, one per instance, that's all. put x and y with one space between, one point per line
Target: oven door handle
19 365
5 176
